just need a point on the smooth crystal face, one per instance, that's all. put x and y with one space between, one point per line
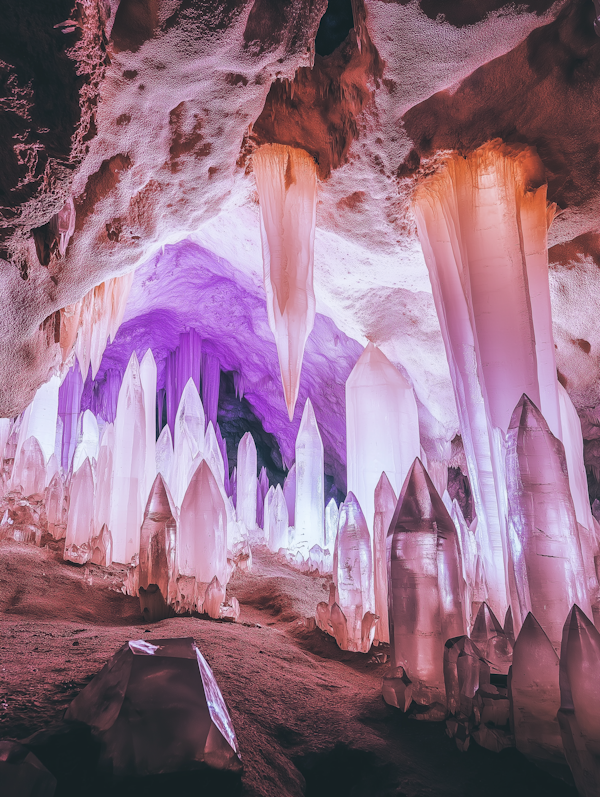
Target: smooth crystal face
276 519
129 458
181 365
382 427
484 236
579 715
309 513
155 708
29 471
246 482
69 400
55 507
534 693
203 529
492 640
332 515
287 187
424 582
188 441
353 575
385 504
22 774
88 441
289 493
148 380
39 419
80 522
543 533
104 478
164 454
158 541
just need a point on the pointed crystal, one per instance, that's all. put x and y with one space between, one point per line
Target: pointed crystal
88 440
104 477
39 419
164 454
148 380
262 489
80 522
101 548
29 471
385 504
55 507
332 516
492 640
287 187
276 519
289 492
158 550
309 526
246 482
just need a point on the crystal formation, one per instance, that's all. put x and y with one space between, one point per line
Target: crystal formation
309 514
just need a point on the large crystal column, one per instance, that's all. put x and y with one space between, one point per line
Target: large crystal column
354 577
158 551
80 522
129 459
332 516
189 439
424 585
246 482
382 427
385 504
69 400
309 526
164 454
276 519
104 479
88 441
39 419
148 380
287 187
483 231
543 533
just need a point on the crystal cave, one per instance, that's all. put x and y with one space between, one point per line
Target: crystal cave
300 398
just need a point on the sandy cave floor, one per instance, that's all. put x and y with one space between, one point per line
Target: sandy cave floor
309 718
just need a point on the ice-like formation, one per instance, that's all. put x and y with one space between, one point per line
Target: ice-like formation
579 714
332 516
39 419
309 512
287 186
353 578
104 478
164 454
382 427
262 488
276 520
181 365
69 400
483 229
29 470
534 694
202 548
158 553
80 523
129 458
543 534
465 672
469 560
188 441
55 507
246 482
289 493
425 606
88 440
148 380
385 504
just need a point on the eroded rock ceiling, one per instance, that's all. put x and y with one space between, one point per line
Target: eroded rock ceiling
147 112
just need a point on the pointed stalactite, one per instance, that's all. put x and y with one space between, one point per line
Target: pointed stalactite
158 553
385 504
210 378
382 427
287 186
309 511
543 533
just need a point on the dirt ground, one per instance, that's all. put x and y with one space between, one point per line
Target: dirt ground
310 719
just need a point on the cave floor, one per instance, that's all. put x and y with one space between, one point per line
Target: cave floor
310 719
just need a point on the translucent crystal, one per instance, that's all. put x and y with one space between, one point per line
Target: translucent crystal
534 694
246 482
69 400
189 439
211 376
182 365
382 427
80 521
332 515
492 640
129 458
29 471
579 714
160 695
39 419
101 547
202 543
148 380
465 672
261 491
276 519
543 533
164 454
354 574
385 504
289 492
309 525
55 507
572 439
424 585
214 597
213 455
88 440
287 187
158 550
104 477
52 468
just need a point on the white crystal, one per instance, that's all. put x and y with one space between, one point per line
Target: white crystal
309 526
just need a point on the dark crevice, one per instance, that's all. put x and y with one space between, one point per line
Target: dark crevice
336 24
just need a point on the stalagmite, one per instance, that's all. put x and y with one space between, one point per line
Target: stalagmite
276 519
309 512
212 454
148 380
382 427
287 187
246 482
129 457
164 454
55 507
332 516
385 504
88 440
354 576
29 472
534 694
579 714
158 552
572 440
543 533
289 492
424 586
483 229
202 546
80 523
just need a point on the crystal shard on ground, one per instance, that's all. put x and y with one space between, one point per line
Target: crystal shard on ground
22 774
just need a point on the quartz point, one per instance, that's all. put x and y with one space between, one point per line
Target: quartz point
55 507
158 552
129 458
246 482
424 586
276 519
104 477
262 489
309 513
80 521
382 427
332 516
287 187
385 504
29 471
483 230
148 380
354 576
39 419
88 440
202 545
543 533
101 547
164 454
289 492
69 401
492 640
534 694
579 714
188 441
182 365
160 695
465 672
214 597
